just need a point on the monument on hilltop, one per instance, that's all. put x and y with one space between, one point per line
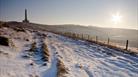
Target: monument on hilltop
26 20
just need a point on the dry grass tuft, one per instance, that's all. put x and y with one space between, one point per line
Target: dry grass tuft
46 52
33 47
61 70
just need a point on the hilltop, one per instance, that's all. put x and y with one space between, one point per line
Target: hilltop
34 51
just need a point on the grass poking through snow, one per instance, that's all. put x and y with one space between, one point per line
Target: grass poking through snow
61 70
46 52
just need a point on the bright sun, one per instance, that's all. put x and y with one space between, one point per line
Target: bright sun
116 18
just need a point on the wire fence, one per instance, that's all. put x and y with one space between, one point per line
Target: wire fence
110 42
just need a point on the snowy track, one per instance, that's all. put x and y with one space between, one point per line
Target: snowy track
19 61
94 60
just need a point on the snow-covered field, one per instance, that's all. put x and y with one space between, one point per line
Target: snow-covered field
81 59
94 60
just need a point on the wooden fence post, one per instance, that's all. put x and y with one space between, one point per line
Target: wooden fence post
108 41
79 36
71 35
75 35
88 37
91 38
96 38
82 36
127 45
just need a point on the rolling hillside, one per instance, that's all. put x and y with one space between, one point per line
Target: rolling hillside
34 52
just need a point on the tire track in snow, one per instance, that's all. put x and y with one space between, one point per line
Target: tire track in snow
104 60
67 54
88 71
35 65
52 69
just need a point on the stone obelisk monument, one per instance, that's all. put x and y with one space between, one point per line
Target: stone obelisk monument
26 20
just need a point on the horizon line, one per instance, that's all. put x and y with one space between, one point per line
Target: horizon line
75 25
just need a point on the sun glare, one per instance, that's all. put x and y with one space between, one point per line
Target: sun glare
116 18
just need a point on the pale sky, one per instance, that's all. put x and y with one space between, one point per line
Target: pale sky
103 13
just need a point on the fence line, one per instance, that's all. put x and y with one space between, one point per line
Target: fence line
88 38
95 40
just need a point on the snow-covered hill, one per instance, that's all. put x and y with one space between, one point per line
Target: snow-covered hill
91 60
36 53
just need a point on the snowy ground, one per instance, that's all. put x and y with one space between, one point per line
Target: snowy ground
17 61
95 60
81 59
